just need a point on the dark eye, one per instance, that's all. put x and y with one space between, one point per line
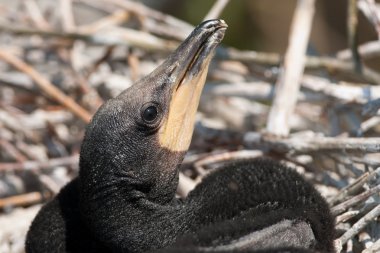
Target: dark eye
150 114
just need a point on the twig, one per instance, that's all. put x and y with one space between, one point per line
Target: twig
49 183
46 86
67 15
153 21
315 89
365 239
12 150
348 93
338 209
142 10
38 165
311 62
216 9
374 248
360 224
367 125
346 216
313 144
288 82
185 185
352 27
133 62
227 156
348 190
23 200
367 50
111 36
114 19
36 15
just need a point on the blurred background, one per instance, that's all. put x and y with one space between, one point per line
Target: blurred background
263 25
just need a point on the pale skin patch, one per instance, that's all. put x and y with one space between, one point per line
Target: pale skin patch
177 129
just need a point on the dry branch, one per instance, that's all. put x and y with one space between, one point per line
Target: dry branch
316 144
46 86
67 15
110 36
37 165
352 27
356 200
315 89
36 14
374 248
360 224
353 187
288 82
311 62
367 50
346 216
23 200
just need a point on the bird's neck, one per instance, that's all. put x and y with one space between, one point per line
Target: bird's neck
133 209
135 226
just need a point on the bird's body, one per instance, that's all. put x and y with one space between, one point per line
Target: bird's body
124 198
243 205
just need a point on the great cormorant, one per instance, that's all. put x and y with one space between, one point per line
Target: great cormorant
124 197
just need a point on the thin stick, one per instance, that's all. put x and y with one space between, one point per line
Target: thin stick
367 125
36 14
67 15
46 85
227 156
259 90
313 144
23 200
346 216
352 27
348 190
374 248
345 92
145 11
311 62
185 185
367 50
114 19
354 200
37 165
216 9
360 224
288 83
114 36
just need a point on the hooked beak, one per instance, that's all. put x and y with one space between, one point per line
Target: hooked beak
188 67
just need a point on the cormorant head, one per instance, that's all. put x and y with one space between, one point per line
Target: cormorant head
136 141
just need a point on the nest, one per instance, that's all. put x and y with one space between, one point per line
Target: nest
57 68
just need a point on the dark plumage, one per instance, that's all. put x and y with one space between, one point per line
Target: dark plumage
124 197
262 200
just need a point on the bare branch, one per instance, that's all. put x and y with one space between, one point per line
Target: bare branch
288 82
360 224
46 86
355 200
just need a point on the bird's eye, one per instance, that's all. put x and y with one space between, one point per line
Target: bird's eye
150 114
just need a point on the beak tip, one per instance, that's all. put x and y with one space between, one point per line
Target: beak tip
214 23
223 23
